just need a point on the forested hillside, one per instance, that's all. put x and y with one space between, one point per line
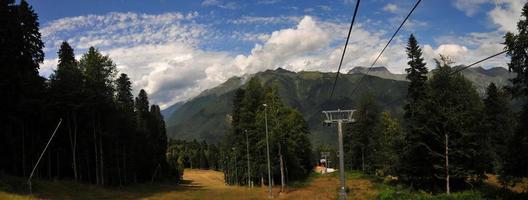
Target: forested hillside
103 136
204 117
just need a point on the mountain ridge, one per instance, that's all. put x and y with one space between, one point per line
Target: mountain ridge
205 116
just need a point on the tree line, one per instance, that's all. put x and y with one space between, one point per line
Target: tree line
449 137
289 146
106 137
193 155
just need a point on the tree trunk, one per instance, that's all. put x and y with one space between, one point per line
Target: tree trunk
281 169
447 162
101 172
73 142
49 165
363 159
124 165
96 154
23 152
58 165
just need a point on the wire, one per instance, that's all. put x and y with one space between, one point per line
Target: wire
487 58
383 50
344 49
454 72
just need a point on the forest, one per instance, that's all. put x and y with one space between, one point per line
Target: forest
105 137
448 139
262 126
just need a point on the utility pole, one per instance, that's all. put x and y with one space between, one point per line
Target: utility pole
340 117
247 151
267 148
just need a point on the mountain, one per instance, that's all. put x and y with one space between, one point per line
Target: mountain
480 77
381 72
205 116
167 112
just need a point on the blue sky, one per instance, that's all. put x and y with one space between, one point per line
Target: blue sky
176 49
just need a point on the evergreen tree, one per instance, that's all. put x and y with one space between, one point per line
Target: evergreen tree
363 136
21 87
390 145
413 168
456 147
124 97
142 110
498 124
516 162
66 97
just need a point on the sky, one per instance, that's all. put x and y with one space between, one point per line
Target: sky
174 49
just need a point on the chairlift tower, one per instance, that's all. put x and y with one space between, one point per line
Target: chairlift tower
339 117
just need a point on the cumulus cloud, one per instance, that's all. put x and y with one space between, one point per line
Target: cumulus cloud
504 15
220 4
390 7
283 45
265 20
470 7
163 53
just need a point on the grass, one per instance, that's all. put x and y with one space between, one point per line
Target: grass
206 184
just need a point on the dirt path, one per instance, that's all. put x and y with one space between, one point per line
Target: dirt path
206 184
198 184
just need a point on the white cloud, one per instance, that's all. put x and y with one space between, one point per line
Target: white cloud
220 4
470 7
390 7
266 20
506 14
284 45
162 53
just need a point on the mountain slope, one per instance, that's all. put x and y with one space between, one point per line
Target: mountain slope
205 116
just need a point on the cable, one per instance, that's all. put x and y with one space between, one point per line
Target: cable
454 72
487 58
344 49
383 50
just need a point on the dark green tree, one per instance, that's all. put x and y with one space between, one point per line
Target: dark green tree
452 138
516 162
362 137
66 97
498 124
413 168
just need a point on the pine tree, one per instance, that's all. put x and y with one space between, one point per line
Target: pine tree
516 162
66 95
390 145
497 124
124 97
99 74
455 146
142 110
21 86
414 168
362 136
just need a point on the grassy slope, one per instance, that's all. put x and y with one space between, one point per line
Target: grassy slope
206 184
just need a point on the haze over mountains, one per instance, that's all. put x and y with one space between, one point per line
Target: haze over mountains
205 116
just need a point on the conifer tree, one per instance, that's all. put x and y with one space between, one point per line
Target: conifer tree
362 136
413 168
452 139
516 163
66 95
498 124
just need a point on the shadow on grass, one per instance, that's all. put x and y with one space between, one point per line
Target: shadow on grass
17 188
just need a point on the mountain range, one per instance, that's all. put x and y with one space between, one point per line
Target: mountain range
204 117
